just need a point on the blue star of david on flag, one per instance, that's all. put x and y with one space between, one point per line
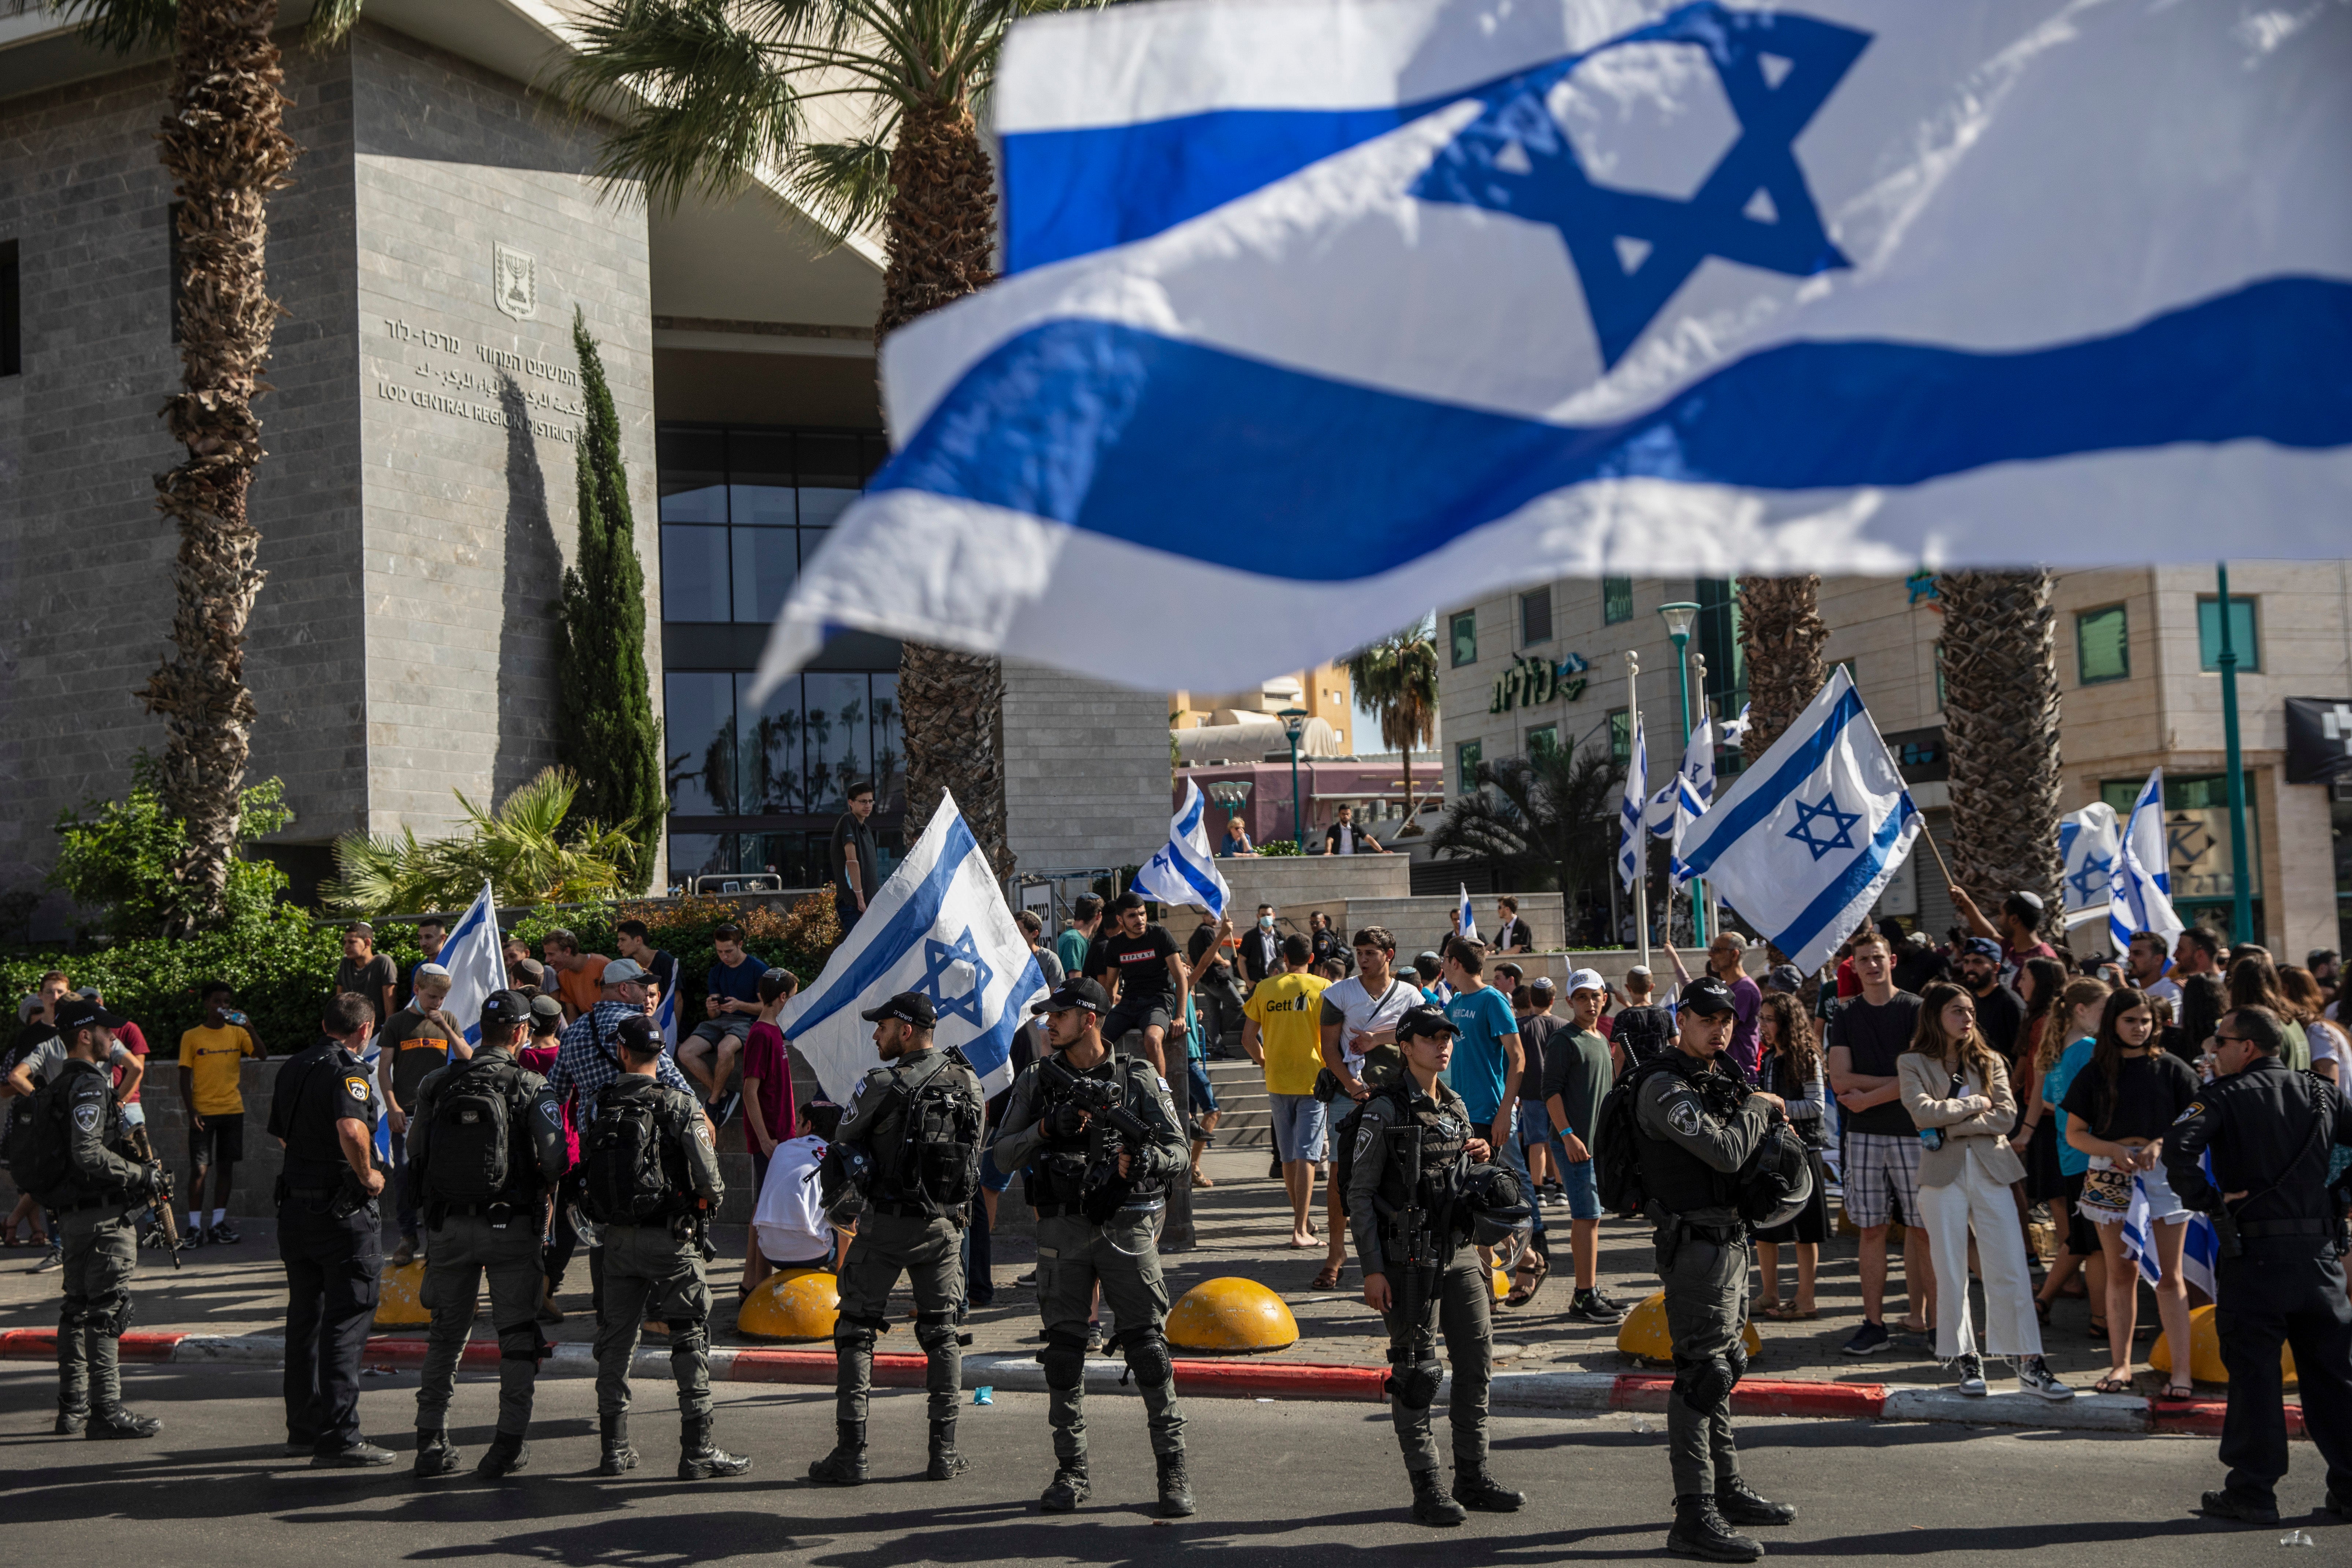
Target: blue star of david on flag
1632 250
1840 822
938 956
2092 878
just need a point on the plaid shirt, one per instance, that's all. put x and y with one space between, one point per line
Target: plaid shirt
586 1060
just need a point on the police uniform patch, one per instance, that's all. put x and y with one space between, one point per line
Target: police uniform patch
357 1088
702 1130
551 1113
85 1117
1366 1136
2196 1108
1684 1118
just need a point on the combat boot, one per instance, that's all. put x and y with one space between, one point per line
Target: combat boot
1699 1531
72 1419
1430 1503
619 1458
845 1466
120 1423
1739 1504
699 1459
946 1463
434 1455
1474 1489
507 1454
1070 1487
1175 1486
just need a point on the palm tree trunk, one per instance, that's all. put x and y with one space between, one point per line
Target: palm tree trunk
941 231
1781 632
225 145
2000 729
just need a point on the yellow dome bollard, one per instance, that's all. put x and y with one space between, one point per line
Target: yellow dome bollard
792 1304
1231 1314
400 1298
1643 1331
1502 1284
2205 1352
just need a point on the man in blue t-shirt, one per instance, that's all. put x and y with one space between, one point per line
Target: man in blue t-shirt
1487 1059
731 1005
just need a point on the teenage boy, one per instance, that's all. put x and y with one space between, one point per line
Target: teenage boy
1880 1163
420 1040
730 1002
1489 1064
211 1059
1282 1033
766 1090
1359 1013
1137 964
629 936
577 977
366 973
1576 1075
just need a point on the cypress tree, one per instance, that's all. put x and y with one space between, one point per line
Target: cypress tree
605 728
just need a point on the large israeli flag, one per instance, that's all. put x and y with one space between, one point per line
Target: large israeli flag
1805 840
2087 844
1631 834
2140 890
477 967
1318 311
1184 872
939 926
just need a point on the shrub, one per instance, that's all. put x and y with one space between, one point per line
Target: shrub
115 857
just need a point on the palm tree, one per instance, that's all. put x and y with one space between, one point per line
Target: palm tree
1396 679
224 142
2000 732
708 95
1544 823
522 849
1781 632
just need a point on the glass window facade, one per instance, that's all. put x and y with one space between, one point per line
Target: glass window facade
2103 648
1620 735
1463 629
1616 600
741 508
1467 755
1542 740
2245 624
1535 615
1716 635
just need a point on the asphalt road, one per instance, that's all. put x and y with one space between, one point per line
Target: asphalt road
1310 1483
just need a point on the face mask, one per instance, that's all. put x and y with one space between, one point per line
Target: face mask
1265 922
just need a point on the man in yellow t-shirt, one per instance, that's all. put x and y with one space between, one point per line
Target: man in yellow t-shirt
211 1059
1282 1031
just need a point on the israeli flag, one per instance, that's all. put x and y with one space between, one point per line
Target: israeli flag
1184 872
665 1018
477 967
1686 797
1318 311
1631 807
2087 840
2140 891
2198 1249
1806 839
1465 917
939 926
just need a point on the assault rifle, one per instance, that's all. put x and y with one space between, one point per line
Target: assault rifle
1111 1128
143 1151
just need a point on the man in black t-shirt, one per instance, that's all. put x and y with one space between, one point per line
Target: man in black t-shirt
2000 1011
1880 1163
1137 964
367 973
855 879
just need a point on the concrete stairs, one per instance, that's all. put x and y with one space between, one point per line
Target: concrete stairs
1246 1122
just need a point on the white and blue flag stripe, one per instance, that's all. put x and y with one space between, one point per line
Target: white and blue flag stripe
2140 891
1320 311
476 962
1806 839
1632 836
940 926
1184 872
1465 917
2087 847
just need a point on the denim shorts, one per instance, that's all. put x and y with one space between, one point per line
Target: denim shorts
1299 1124
1535 1125
1583 1188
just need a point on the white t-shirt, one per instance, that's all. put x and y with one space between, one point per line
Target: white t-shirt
790 1221
1364 1013
2325 1046
2168 992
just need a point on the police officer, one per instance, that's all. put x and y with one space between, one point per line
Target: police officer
1408 1234
2269 1129
656 1135
330 1234
86 1206
1099 1191
1696 1124
484 1143
913 1128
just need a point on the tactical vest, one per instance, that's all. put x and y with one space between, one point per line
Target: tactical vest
1056 1172
1678 1180
1444 1133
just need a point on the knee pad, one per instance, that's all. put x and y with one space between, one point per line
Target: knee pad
936 1333
1737 1356
1147 1357
687 1337
71 1315
858 1333
112 1315
1064 1358
1413 1383
1703 1385
523 1341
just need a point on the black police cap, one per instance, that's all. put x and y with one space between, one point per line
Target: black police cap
912 1006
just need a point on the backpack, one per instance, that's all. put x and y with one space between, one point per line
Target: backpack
1641 1032
37 1161
1617 1144
628 1173
937 1142
471 1152
1343 1138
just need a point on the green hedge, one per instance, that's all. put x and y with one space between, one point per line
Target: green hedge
284 968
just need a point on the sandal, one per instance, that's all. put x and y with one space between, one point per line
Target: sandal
1536 1271
1329 1279
2098 1329
2041 1311
1787 1313
2178 1392
2111 1385
1773 1310
1200 1178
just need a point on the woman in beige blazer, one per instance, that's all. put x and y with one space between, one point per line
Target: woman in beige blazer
1959 1096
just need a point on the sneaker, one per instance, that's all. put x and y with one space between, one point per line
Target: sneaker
1972 1378
1868 1340
1028 1279
405 1254
226 1234
2034 1376
53 1259
1593 1307
1552 1194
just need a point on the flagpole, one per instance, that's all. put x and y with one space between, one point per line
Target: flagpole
1938 854
1641 828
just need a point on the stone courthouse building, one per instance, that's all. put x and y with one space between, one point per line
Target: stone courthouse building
417 505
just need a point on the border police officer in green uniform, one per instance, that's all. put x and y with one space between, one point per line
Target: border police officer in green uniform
1409 1142
649 1175
78 1128
1697 1124
485 1144
907 1157
1098 1138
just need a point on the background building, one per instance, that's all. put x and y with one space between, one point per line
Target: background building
416 506
2135 669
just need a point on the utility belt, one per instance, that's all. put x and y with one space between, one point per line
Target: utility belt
1137 1204
498 1211
104 1201
910 1211
1675 1225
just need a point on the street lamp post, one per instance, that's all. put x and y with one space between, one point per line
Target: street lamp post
2242 897
1640 830
1293 724
1679 618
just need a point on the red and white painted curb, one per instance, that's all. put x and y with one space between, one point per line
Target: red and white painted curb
1586 1391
